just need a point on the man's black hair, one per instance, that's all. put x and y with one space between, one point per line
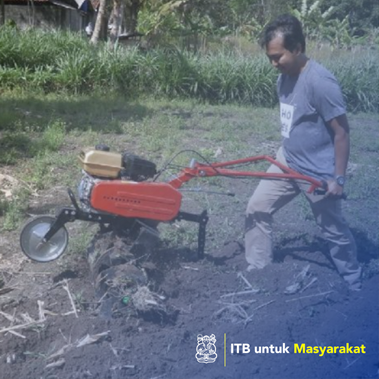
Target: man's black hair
290 28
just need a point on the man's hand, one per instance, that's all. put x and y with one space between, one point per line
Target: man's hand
334 190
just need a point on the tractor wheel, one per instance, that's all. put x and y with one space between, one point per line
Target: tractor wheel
33 244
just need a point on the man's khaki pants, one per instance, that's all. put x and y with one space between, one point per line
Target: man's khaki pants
270 196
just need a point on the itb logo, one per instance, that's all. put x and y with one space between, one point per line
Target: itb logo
206 349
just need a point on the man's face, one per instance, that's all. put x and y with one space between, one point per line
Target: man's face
281 58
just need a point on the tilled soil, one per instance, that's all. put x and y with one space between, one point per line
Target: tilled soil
58 327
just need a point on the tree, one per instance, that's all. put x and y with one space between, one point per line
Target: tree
132 8
116 20
362 14
313 19
101 22
168 19
2 7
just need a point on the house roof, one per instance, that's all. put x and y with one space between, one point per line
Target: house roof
24 2
66 4
71 4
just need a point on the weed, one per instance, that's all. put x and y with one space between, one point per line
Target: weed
8 118
115 126
14 209
370 269
304 208
179 234
81 238
52 137
20 143
41 173
14 146
79 300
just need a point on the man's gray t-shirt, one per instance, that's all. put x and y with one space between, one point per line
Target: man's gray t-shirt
307 103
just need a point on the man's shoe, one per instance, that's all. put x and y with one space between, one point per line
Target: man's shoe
357 286
250 268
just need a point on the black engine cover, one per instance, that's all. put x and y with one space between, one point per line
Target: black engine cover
137 168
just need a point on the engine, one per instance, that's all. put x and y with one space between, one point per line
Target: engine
100 165
136 168
84 191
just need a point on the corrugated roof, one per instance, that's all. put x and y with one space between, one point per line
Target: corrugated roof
73 4
64 4
22 2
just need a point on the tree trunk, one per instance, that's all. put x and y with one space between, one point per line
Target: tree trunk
101 22
2 12
131 15
31 12
117 20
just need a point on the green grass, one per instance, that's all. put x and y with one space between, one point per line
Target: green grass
29 143
13 210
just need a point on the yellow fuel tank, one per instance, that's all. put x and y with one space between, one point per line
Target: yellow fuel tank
101 163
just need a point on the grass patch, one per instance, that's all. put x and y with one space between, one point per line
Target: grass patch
52 137
25 142
81 237
13 210
14 146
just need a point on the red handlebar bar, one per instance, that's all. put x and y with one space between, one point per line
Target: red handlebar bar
220 169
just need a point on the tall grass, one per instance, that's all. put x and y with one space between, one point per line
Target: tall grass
65 62
359 79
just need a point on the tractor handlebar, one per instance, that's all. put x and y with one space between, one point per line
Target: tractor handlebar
196 170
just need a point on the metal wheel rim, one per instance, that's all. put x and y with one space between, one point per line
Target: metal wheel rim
32 244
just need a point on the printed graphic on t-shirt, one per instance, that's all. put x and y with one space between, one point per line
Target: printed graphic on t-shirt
286 117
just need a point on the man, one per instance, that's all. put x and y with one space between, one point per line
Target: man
315 142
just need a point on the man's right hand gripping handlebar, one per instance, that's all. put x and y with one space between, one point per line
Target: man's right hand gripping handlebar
328 189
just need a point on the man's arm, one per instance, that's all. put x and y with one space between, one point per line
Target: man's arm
340 127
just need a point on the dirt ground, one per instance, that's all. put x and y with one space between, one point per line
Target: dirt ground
54 324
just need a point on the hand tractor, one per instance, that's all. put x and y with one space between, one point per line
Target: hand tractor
121 192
